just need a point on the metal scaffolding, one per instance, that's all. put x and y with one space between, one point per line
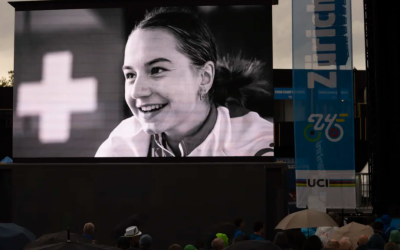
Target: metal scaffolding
372 101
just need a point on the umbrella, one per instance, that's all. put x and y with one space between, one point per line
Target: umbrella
69 245
13 236
253 245
6 160
54 238
75 246
352 230
306 219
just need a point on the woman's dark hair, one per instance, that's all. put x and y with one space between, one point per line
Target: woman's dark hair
195 38
313 243
196 41
282 241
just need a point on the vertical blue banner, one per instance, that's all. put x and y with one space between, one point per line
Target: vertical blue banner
324 121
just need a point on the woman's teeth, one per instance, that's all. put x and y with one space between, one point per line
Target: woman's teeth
151 108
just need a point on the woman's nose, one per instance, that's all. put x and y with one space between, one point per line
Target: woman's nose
140 88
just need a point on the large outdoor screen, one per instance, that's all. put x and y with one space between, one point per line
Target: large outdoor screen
143 81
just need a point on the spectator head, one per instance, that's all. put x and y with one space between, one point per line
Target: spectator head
371 221
258 227
290 235
378 226
346 238
223 237
362 240
345 244
386 219
391 246
281 240
209 240
376 241
145 241
175 247
395 236
88 229
190 247
333 244
239 223
313 243
299 239
217 244
134 234
123 243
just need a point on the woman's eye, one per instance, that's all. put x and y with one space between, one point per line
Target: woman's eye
130 76
157 70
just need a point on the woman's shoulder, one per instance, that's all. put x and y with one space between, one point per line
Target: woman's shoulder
244 133
126 140
239 116
127 128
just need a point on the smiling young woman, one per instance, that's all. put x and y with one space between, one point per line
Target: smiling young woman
184 102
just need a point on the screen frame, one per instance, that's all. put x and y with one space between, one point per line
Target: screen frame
100 4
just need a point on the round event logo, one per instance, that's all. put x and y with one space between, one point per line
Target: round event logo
330 125
334 132
310 134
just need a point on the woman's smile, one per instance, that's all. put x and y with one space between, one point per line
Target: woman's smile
151 107
148 112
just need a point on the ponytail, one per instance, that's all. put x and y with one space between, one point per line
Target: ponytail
237 80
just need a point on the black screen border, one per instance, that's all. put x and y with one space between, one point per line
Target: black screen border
154 160
100 4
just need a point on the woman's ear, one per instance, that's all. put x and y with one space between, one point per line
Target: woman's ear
207 76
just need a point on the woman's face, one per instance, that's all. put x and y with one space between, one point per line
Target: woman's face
161 87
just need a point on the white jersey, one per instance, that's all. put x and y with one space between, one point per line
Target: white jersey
233 132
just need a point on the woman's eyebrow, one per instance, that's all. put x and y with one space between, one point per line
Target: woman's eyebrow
127 67
157 60
160 59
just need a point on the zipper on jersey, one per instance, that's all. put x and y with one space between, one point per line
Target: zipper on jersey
160 141
183 149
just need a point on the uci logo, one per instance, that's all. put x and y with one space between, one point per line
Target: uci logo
312 182
318 182
333 131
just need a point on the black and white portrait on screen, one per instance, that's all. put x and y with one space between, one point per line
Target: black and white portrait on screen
192 86
184 102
